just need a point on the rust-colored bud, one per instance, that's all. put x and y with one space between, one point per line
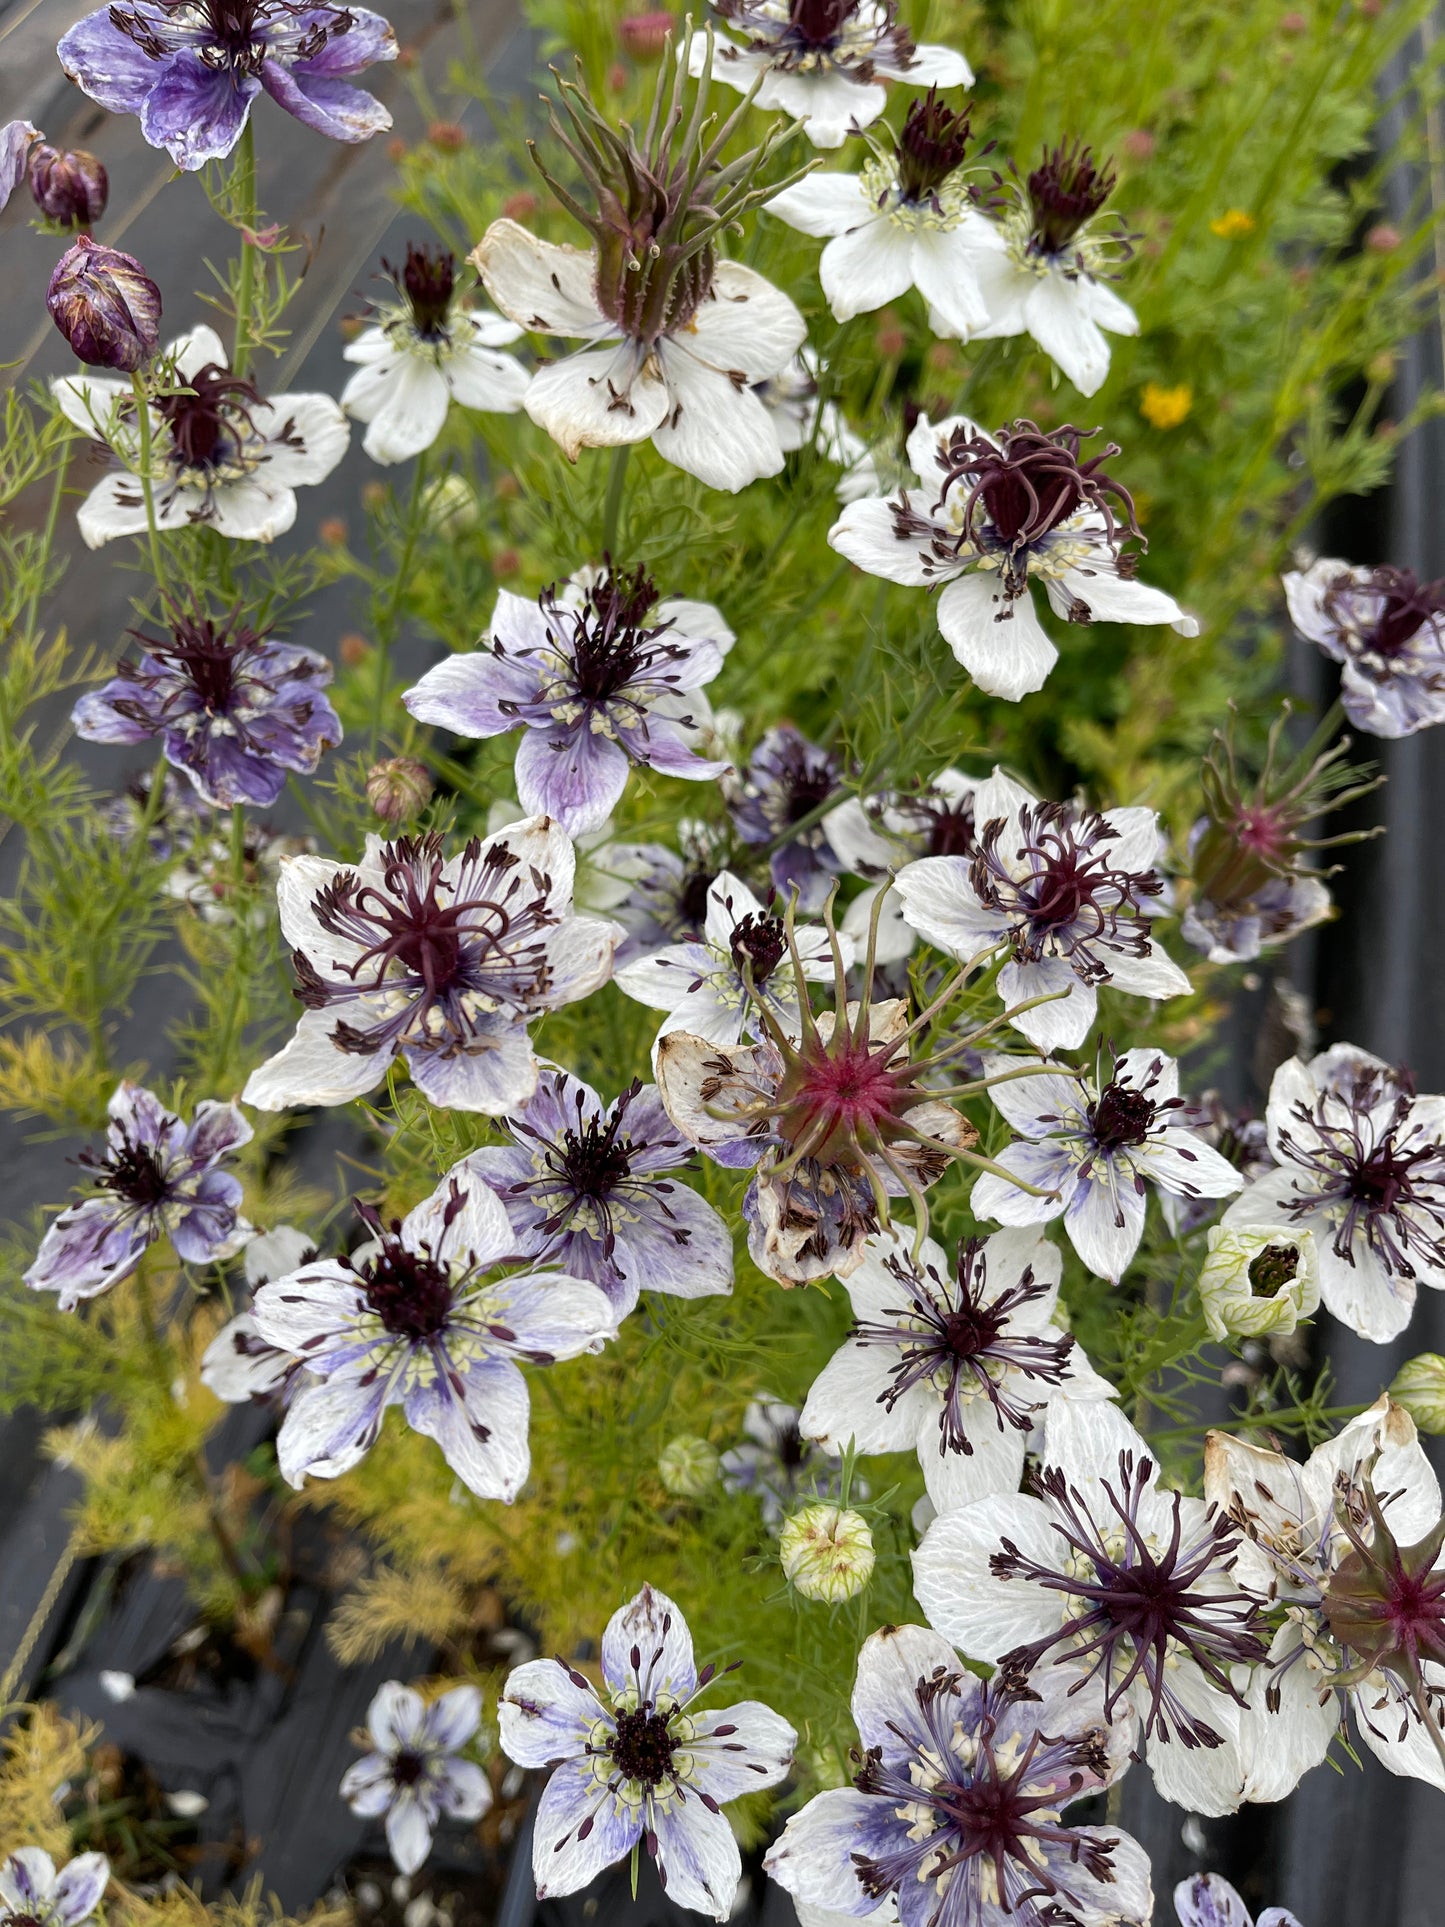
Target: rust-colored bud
70 189
644 35
106 306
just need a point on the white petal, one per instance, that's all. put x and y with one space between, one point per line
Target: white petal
746 327
846 1403
715 428
492 383
405 404
597 399
1058 318
311 1070
819 204
538 284
866 268
983 1615
999 642
866 533
944 274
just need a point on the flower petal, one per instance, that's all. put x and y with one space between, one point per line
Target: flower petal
647 1645
195 112
999 641
544 1714
538 284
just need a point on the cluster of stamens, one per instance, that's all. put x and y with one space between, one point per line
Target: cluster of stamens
130 1169
609 646
1404 605
1059 890
1385 1184
818 34
426 282
236 31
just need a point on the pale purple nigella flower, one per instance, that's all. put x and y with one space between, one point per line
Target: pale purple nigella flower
191 72
222 455
597 676
156 1178
743 964
586 1186
1387 630
955 1811
777 1465
16 139
661 895
425 1317
238 1365
33 1894
786 780
442 961
871 836
234 711
992 514
1360 1162
1063 892
1280 905
636 1762
905 221
413 1774
1101 1567
1348 1546
1208 1900
1237 1136
424 351
823 62
957 1361
803 419
1095 1146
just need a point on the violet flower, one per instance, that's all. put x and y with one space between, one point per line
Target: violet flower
33 1894
636 1762
955 1812
191 73
787 779
872 836
1091 1148
1387 631
585 1186
440 961
598 676
413 1774
778 1466
660 895
1208 1900
234 711
424 1316
157 1177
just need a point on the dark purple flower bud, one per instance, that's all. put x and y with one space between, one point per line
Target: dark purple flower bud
70 188
398 789
106 306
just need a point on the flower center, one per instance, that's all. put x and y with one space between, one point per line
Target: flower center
1121 1115
692 900
1405 605
407 1768
643 1746
951 830
820 22
206 425
1386 1602
235 34
427 281
609 648
410 1292
840 1097
1065 191
132 1171
1272 1269
1386 1185
931 147
1068 895
758 945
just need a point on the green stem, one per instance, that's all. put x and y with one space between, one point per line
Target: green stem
244 180
612 501
386 626
143 419
47 540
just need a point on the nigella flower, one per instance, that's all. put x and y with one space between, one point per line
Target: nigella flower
1349 1546
994 514
598 676
585 1186
905 221
1101 1567
955 1813
425 1316
442 961
33 1894
834 1117
1387 630
1091 1147
743 964
1238 1136
660 895
777 1465
1208 1900
1360 1161
413 1774
803 419
957 1361
871 836
786 780
425 351
192 72
157 1177
679 336
1062 892
637 1762
822 62
222 457
238 1365
234 711
1043 270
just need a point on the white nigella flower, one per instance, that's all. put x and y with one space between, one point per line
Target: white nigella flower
993 514
424 352
1091 1148
1063 892
33 1894
677 337
1348 1546
1386 629
803 420
823 62
1208 1900
712 988
412 1773
872 835
222 456
1103 1568
906 221
1361 1163
956 1361
1042 269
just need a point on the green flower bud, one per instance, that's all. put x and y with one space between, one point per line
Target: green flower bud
1420 1387
1258 1280
827 1552
688 1466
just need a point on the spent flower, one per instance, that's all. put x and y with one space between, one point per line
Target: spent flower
1208 1900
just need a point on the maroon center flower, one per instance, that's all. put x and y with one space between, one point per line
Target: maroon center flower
932 146
204 421
426 281
131 1170
1406 605
1065 191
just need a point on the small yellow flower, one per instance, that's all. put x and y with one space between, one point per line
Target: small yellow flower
1166 407
1233 224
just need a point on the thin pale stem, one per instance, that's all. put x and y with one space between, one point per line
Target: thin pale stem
612 501
244 179
143 425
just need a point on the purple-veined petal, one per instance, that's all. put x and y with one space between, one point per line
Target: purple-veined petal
544 1714
647 1644
579 1830
195 112
327 105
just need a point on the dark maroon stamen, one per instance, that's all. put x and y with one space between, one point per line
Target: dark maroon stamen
1066 190
608 644
131 1170
407 1768
1071 896
426 280
932 146
758 945
643 1746
410 1292
1406 605
236 33
204 422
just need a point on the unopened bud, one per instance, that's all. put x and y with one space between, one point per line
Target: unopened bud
398 789
1258 1281
687 1466
644 35
353 649
106 306
70 189
1382 238
827 1552
447 135
1420 1387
